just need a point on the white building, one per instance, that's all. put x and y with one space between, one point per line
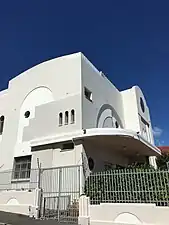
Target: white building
65 112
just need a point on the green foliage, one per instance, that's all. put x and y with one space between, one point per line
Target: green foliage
139 183
129 185
162 161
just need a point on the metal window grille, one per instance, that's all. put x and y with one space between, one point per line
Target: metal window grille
22 167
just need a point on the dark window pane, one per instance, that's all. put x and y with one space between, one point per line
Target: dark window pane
66 117
29 166
23 174
60 119
28 174
16 175
24 166
68 146
17 167
72 116
27 114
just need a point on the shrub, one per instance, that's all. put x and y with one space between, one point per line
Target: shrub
135 184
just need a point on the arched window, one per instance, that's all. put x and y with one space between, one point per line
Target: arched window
60 119
116 124
142 105
2 118
72 116
66 117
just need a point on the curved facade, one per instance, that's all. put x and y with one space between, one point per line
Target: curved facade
57 100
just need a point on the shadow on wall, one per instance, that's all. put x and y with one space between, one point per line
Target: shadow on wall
108 117
127 218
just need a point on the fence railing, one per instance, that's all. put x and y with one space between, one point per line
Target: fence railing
61 191
129 186
8 180
61 187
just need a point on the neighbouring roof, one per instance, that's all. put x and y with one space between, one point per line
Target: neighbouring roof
164 149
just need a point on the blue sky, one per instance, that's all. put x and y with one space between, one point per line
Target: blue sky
128 40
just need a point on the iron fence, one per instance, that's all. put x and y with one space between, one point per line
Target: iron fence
129 186
8 180
61 191
60 187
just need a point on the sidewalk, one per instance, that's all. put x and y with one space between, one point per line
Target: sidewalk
15 219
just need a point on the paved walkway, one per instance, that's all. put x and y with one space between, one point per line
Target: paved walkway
15 219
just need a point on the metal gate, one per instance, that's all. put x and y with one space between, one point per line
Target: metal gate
61 192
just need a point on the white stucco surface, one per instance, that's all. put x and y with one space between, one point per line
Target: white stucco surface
121 213
57 86
21 202
106 122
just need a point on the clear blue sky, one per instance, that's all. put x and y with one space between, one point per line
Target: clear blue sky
128 40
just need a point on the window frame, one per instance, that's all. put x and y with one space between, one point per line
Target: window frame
60 119
72 116
22 168
88 94
116 124
2 119
142 105
66 117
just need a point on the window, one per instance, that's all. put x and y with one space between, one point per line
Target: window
27 114
88 94
66 117
116 124
142 105
22 167
2 118
72 116
68 146
60 119
91 163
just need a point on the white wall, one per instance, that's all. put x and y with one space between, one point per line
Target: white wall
61 76
133 113
36 97
120 213
52 156
103 93
3 110
130 110
46 121
21 202
58 86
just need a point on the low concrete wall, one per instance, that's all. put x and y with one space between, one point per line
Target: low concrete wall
21 202
115 214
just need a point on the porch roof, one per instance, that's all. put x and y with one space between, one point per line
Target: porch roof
126 141
122 139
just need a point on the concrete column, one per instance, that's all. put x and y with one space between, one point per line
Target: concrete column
152 161
84 215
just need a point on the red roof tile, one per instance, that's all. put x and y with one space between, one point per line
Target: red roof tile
164 148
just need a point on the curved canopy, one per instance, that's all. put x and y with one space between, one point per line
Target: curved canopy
127 141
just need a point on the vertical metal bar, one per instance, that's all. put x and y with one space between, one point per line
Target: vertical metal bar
79 176
44 206
40 188
60 183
